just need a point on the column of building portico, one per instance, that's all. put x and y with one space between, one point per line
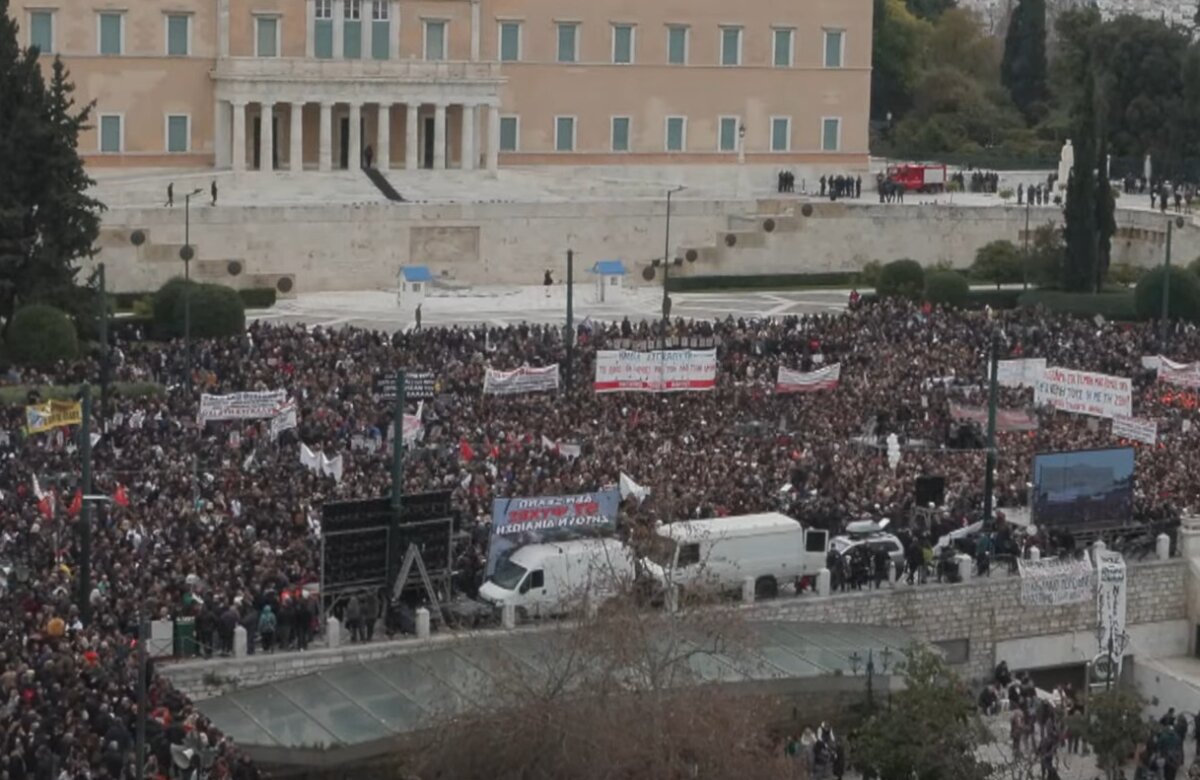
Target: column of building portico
439 136
468 153
239 136
296 138
410 137
383 139
355 149
325 155
266 137
493 149
222 145
339 26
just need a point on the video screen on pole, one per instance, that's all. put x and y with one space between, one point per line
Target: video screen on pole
1083 488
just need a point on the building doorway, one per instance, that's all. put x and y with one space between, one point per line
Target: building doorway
344 143
258 143
427 146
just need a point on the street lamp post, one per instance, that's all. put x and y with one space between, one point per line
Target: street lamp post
186 253
666 300
1166 287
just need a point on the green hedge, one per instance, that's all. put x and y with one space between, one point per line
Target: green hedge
216 311
41 336
252 298
901 278
946 287
760 282
1184 295
1110 305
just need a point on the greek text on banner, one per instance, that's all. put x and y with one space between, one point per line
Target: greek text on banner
662 371
52 414
1145 431
521 521
525 379
241 406
1082 392
1052 582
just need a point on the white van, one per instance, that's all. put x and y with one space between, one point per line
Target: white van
720 554
542 580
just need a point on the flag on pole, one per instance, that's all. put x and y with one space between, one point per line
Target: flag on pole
45 501
76 504
120 498
465 451
631 488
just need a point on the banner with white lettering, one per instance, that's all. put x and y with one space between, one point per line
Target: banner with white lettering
285 419
1136 429
418 386
520 521
1083 392
240 406
1110 604
789 381
1052 582
525 379
1020 373
1179 374
661 371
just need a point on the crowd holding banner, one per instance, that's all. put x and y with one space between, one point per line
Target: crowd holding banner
789 381
520 521
240 406
1084 392
40 418
660 371
1020 372
525 379
1145 431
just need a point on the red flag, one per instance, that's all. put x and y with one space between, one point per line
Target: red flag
465 451
45 505
76 504
120 498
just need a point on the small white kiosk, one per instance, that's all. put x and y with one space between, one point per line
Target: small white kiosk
413 284
610 279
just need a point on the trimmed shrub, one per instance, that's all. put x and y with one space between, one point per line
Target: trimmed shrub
999 262
258 297
1005 194
216 311
869 276
1194 266
707 283
1184 295
40 335
1125 274
946 287
901 278
1112 306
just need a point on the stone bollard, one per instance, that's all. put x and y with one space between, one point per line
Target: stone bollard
1162 547
965 564
891 573
748 590
671 598
1097 548
824 582
1034 553
508 616
239 642
333 632
422 623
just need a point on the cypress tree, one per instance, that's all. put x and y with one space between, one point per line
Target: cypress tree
1023 67
1080 231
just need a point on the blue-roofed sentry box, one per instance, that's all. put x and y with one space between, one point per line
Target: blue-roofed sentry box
610 278
414 281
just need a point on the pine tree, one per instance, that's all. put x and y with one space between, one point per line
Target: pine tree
48 222
1023 68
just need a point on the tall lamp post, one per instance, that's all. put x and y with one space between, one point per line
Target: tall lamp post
666 301
186 253
1166 287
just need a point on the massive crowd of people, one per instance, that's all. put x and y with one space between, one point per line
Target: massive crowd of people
221 520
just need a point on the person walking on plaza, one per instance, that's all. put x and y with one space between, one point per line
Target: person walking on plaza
267 624
369 155
213 189
547 280
354 618
170 194
417 318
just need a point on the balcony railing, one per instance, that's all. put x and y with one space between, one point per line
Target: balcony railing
320 70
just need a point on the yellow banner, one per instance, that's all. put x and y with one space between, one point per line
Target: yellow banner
52 414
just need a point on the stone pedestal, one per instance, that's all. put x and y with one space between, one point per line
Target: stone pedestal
891 572
964 567
824 582
422 623
508 616
748 590
333 632
1035 554
240 642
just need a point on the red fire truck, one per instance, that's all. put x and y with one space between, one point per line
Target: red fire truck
918 177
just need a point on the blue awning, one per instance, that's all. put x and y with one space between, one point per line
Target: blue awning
609 268
416 273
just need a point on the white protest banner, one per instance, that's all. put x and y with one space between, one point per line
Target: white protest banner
285 419
1052 582
240 406
789 381
661 371
525 379
309 459
1136 429
1082 392
1180 374
1110 603
1150 362
1020 373
569 451
332 467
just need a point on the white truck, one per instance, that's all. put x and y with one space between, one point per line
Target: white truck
722 553
543 580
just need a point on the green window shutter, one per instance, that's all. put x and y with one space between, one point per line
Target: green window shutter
564 134
566 43
510 42
177 35
622 44
323 39
731 38
620 134
110 133
728 134
833 48
677 46
352 40
267 26
783 48
41 31
675 134
779 134
177 134
830 129
435 40
508 134
110 33
381 40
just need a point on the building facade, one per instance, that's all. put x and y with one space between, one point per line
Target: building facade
471 84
